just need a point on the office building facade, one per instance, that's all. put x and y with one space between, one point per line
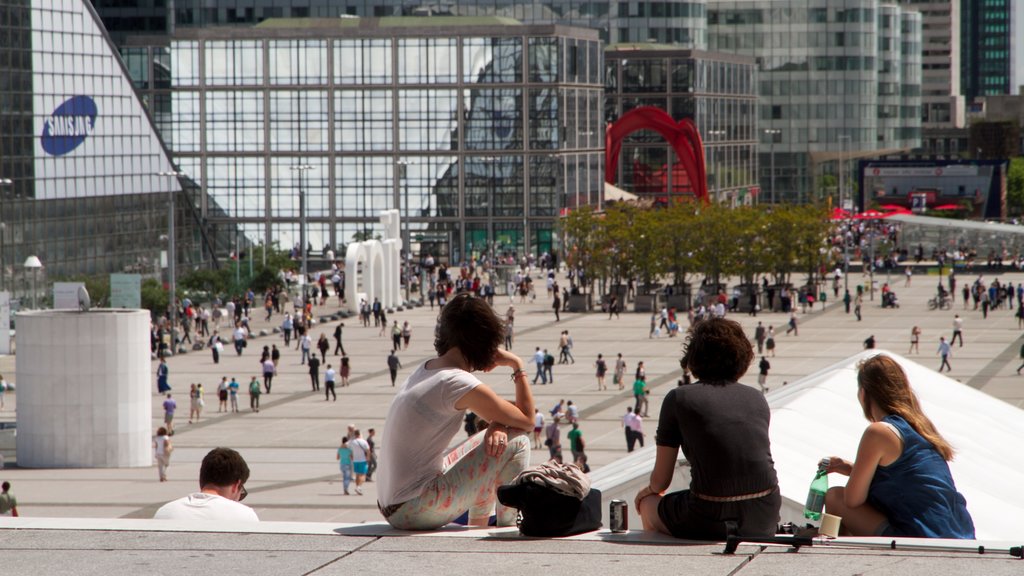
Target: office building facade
480 133
992 47
679 22
717 91
79 158
820 72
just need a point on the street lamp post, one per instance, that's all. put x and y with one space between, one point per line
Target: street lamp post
846 243
174 175
302 169
772 132
713 137
406 237
33 263
3 231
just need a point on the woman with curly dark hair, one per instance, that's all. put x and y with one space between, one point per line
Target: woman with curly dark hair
422 485
722 428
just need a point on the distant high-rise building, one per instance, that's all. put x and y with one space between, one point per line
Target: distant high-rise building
837 80
942 104
992 47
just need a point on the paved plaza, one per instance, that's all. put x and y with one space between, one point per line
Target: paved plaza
290 443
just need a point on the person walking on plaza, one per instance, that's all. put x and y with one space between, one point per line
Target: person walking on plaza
793 324
162 452
254 394
371 457
613 306
556 305
216 347
553 439
233 393
847 300
222 395
944 351
345 463
620 372
857 303
170 405
306 344
762 377
329 376
323 345
576 444
538 360
565 348
314 372
393 366
633 425
915 338
238 337
268 374
549 367
396 336
275 356
286 328
639 390
602 369
162 372
406 335
759 335
338 347
3 391
769 342
8 503
345 371
360 459
958 325
538 427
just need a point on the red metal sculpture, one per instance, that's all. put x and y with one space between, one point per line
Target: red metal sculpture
682 136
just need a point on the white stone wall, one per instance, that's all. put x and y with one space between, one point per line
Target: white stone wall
84 397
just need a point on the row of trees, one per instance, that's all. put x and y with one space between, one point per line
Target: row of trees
689 238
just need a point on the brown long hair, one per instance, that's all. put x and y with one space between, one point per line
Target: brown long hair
885 385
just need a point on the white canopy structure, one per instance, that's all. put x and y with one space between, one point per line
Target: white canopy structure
820 415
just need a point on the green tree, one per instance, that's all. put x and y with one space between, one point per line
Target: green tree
1015 187
153 296
97 285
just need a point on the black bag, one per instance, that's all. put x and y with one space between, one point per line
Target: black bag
547 513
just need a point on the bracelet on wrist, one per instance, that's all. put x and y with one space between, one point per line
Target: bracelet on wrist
517 372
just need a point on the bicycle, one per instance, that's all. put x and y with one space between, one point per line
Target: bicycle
944 303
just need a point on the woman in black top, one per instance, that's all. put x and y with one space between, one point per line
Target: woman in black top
722 427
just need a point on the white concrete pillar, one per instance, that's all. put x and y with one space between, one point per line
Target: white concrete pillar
84 390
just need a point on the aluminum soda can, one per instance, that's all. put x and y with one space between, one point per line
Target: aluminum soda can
618 516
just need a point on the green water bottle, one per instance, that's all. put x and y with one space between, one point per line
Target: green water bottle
816 495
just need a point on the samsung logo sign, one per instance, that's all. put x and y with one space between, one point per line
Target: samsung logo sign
69 125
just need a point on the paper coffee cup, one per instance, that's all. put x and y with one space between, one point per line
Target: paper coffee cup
830 525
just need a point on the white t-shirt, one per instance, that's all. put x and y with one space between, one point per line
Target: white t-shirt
419 427
360 448
538 420
203 506
160 445
329 375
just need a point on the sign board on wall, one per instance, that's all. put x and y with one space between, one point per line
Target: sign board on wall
125 291
5 322
65 295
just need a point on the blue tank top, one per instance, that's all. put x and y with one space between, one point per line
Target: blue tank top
917 493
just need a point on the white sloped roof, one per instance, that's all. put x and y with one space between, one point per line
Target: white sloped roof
819 416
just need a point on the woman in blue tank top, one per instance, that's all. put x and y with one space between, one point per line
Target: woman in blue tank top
900 484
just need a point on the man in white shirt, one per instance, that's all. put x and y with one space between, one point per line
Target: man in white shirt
360 458
222 478
633 425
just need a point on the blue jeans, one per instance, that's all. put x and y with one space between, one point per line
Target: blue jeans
540 374
346 475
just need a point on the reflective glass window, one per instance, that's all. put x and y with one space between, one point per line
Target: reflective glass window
492 60
234 62
493 185
427 61
494 119
286 181
362 61
545 60
298 121
185 63
428 120
234 121
419 178
237 186
363 187
547 185
298 61
363 120
545 118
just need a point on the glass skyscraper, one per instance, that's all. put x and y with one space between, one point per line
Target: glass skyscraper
480 132
992 44
837 80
